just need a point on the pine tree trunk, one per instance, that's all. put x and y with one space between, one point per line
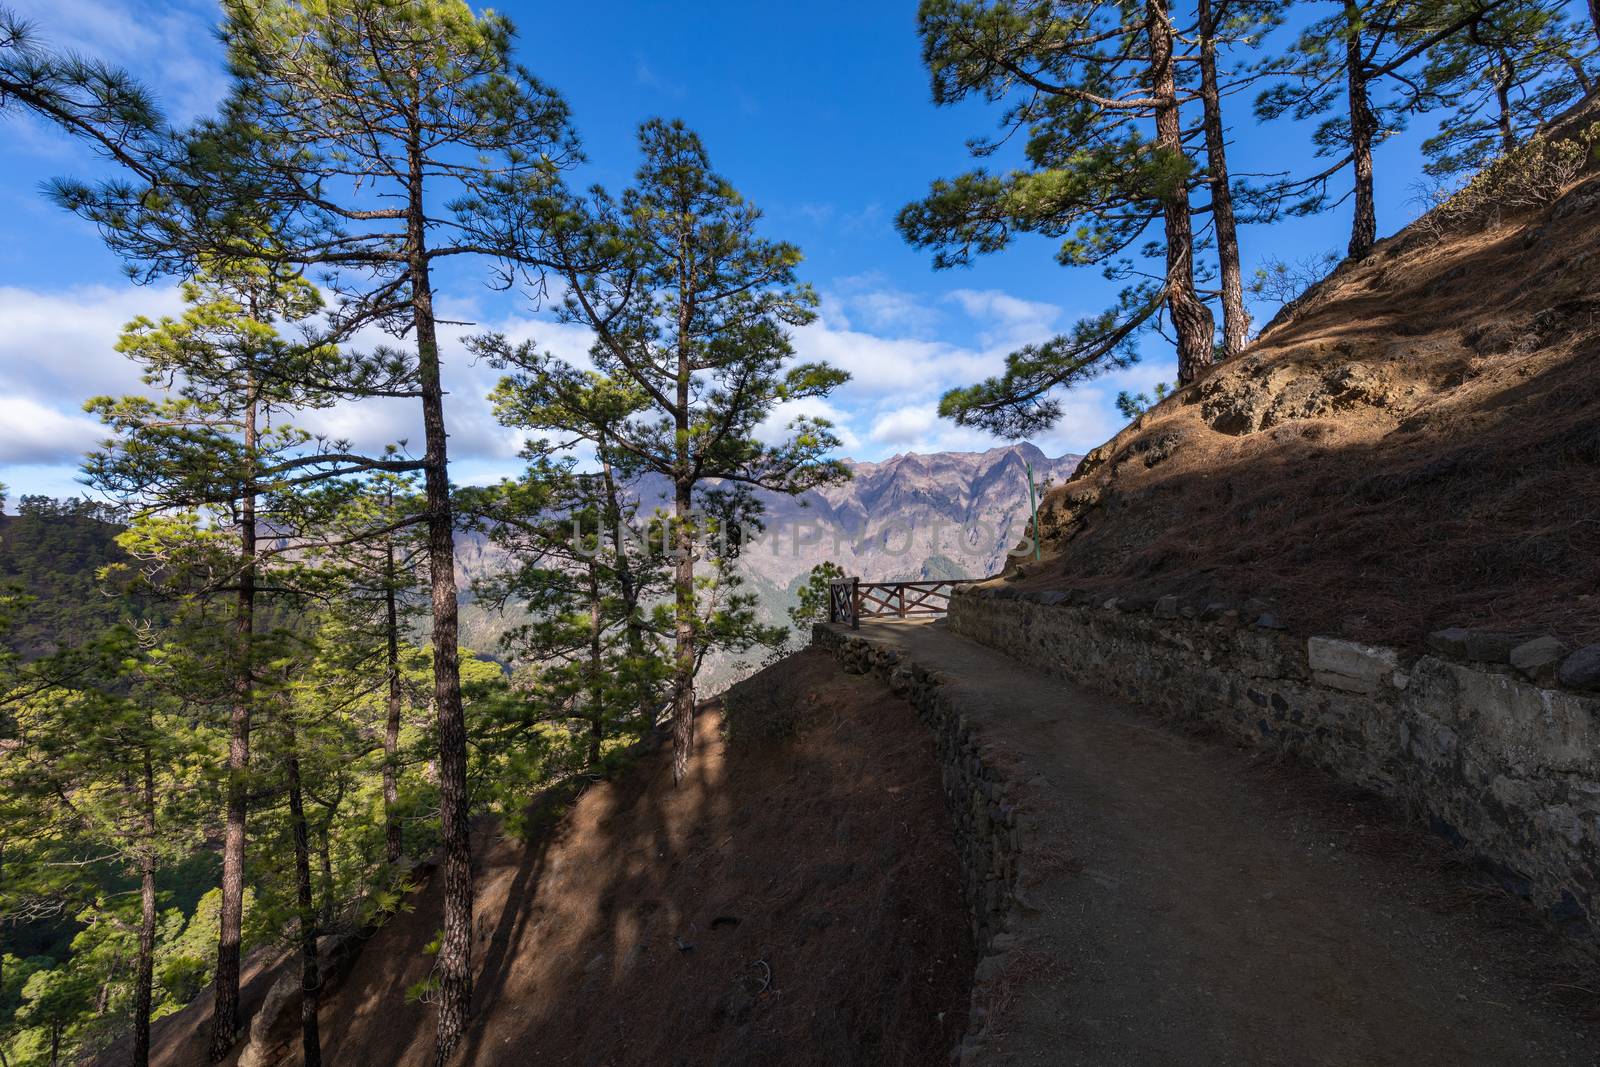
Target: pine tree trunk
454 962
230 918
144 971
625 580
684 610
1191 319
597 707
683 508
1364 228
310 977
325 854
1502 97
391 727
1235 319
1594 16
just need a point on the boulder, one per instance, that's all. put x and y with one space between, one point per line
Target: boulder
1581 670
1539 659
274 1030
1449 642
1486 646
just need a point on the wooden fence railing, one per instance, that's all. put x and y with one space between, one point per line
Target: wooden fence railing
852 600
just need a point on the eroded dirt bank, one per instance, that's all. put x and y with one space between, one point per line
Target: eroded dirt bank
796 900
1413 445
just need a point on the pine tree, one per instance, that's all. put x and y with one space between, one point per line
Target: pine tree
111 763
366 541
352 122
209 446
584 576
815 598
423 97
1508 73
312 743
1096 88
88 99
689 306
1357 64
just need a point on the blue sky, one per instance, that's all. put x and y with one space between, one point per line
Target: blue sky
818 111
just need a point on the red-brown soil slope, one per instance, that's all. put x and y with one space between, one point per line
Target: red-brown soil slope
794 900
1415 444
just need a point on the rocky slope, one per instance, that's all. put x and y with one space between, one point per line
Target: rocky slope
1413 445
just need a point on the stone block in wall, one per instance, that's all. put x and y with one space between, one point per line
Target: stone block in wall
1353 667
1516 724
1539 659
1487 646
1451 641
1581 670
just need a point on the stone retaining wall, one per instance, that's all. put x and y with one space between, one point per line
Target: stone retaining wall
1496 761
992 838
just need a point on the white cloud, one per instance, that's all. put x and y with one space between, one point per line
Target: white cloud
888 310
867 300
30 432
899 373
475 434
57 349
904 426
60 347
170 47
1007 321
890 364
918 428
775 427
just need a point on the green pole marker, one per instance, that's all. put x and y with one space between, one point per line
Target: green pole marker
1033 503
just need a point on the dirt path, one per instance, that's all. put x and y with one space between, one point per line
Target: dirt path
1210 909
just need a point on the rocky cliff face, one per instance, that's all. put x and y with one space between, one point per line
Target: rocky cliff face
944 515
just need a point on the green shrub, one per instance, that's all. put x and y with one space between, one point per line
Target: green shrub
1532 175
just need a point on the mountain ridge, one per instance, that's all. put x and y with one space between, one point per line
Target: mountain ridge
928 494
912 516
